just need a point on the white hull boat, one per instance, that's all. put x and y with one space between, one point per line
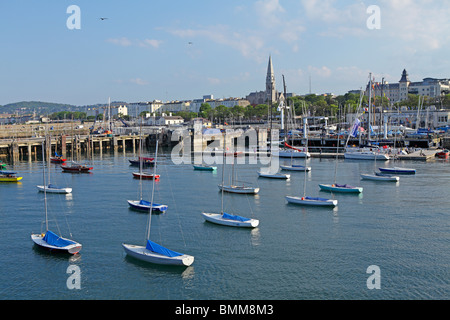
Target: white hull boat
308 201
398 170
70 246
230 220
239 189
380 177
295 168
144 254
290 153
143 205
274 175
365 155
54 189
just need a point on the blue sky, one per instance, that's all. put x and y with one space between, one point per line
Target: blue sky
171 50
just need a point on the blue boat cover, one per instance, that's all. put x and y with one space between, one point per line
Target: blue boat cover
55 240
7 172
145 203
52 186
154 247
317 199
156 206
343 186
233 217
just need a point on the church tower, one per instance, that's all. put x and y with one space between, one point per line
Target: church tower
403 86
270 82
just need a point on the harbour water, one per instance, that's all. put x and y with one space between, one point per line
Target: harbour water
296 253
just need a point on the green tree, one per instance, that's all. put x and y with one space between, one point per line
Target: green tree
205 110
221 113
237 111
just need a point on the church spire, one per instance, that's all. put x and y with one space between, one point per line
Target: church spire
270 81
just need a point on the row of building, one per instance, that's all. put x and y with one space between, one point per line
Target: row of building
159 107
396 92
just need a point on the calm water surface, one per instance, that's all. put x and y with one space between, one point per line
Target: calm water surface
296 253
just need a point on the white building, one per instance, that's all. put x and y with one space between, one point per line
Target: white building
114 111
164 120
429 117
395 92
135 109
176 106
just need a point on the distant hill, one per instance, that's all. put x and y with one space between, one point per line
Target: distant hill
37 106
43 108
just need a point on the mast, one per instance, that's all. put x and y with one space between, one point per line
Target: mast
153 191
370 104
285 106
223 166
305 125
45 190
109 113
140 159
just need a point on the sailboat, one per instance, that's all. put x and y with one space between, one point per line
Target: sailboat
57 158
361 153
344 188
51 188
291 167
276 175
378 176
50 240
144 205
398 170
143 161
310 201
227 219
204 167
153 252
9 176
73 166
233 188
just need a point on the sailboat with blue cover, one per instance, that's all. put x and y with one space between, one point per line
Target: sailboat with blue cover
310 201
50 240
227 219
153 252
344 188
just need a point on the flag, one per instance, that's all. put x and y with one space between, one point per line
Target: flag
355 128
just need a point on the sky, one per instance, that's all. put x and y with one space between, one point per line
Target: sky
183 50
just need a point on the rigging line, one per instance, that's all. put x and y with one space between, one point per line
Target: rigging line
176 209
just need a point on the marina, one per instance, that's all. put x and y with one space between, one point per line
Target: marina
298 252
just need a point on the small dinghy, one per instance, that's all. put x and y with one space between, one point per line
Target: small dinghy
276 175
51 241
51 188
380 177
310 201
157 254
143 205
230 220
340 188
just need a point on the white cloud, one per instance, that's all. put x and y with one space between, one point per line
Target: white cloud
125 42
150 42
322 72
214 81
139 81
268 10
247 44
422 23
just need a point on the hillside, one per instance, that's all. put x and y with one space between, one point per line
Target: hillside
36 106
